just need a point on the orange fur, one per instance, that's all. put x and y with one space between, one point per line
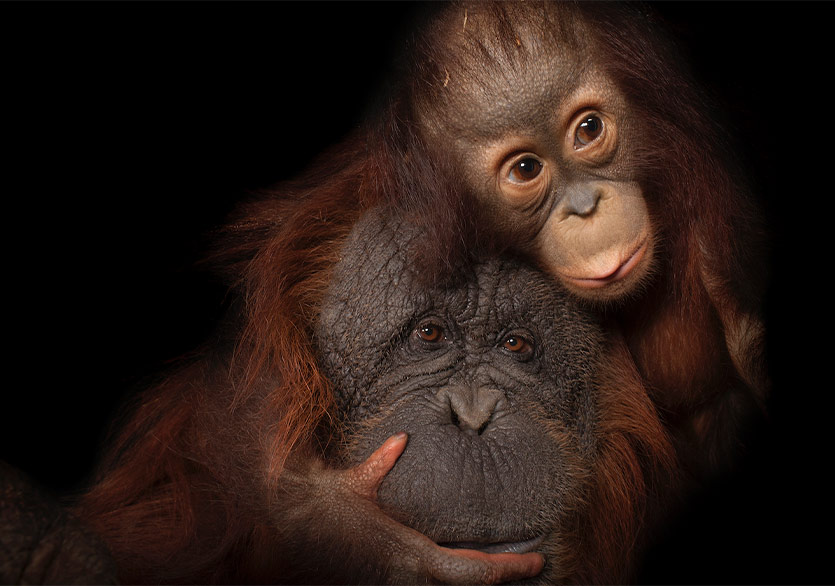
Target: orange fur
187 489
635 476
182 497
150 501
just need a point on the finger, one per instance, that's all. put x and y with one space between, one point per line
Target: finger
466 566
366 478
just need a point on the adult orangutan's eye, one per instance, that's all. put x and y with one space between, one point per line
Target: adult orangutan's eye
430 332
516 344
521 347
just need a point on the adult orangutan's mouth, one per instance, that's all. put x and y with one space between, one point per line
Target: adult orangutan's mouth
499 547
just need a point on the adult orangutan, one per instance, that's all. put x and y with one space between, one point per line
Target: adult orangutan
484 429
583 145
558 131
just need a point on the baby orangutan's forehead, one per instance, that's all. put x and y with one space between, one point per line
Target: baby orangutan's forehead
487 78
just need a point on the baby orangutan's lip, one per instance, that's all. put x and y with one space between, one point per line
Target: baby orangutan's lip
502 547
620 272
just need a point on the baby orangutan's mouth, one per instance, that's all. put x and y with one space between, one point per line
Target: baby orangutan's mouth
497 547
616 273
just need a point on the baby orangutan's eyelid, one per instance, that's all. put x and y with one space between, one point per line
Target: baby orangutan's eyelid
501 150
595 94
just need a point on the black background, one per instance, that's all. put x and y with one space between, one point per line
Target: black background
130 131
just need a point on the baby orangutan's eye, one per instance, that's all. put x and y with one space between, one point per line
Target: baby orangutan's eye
525 170
523 179
588 131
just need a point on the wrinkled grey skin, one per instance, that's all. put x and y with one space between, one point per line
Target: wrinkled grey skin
41 543
499 442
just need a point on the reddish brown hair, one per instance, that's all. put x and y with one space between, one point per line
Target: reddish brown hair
176 501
